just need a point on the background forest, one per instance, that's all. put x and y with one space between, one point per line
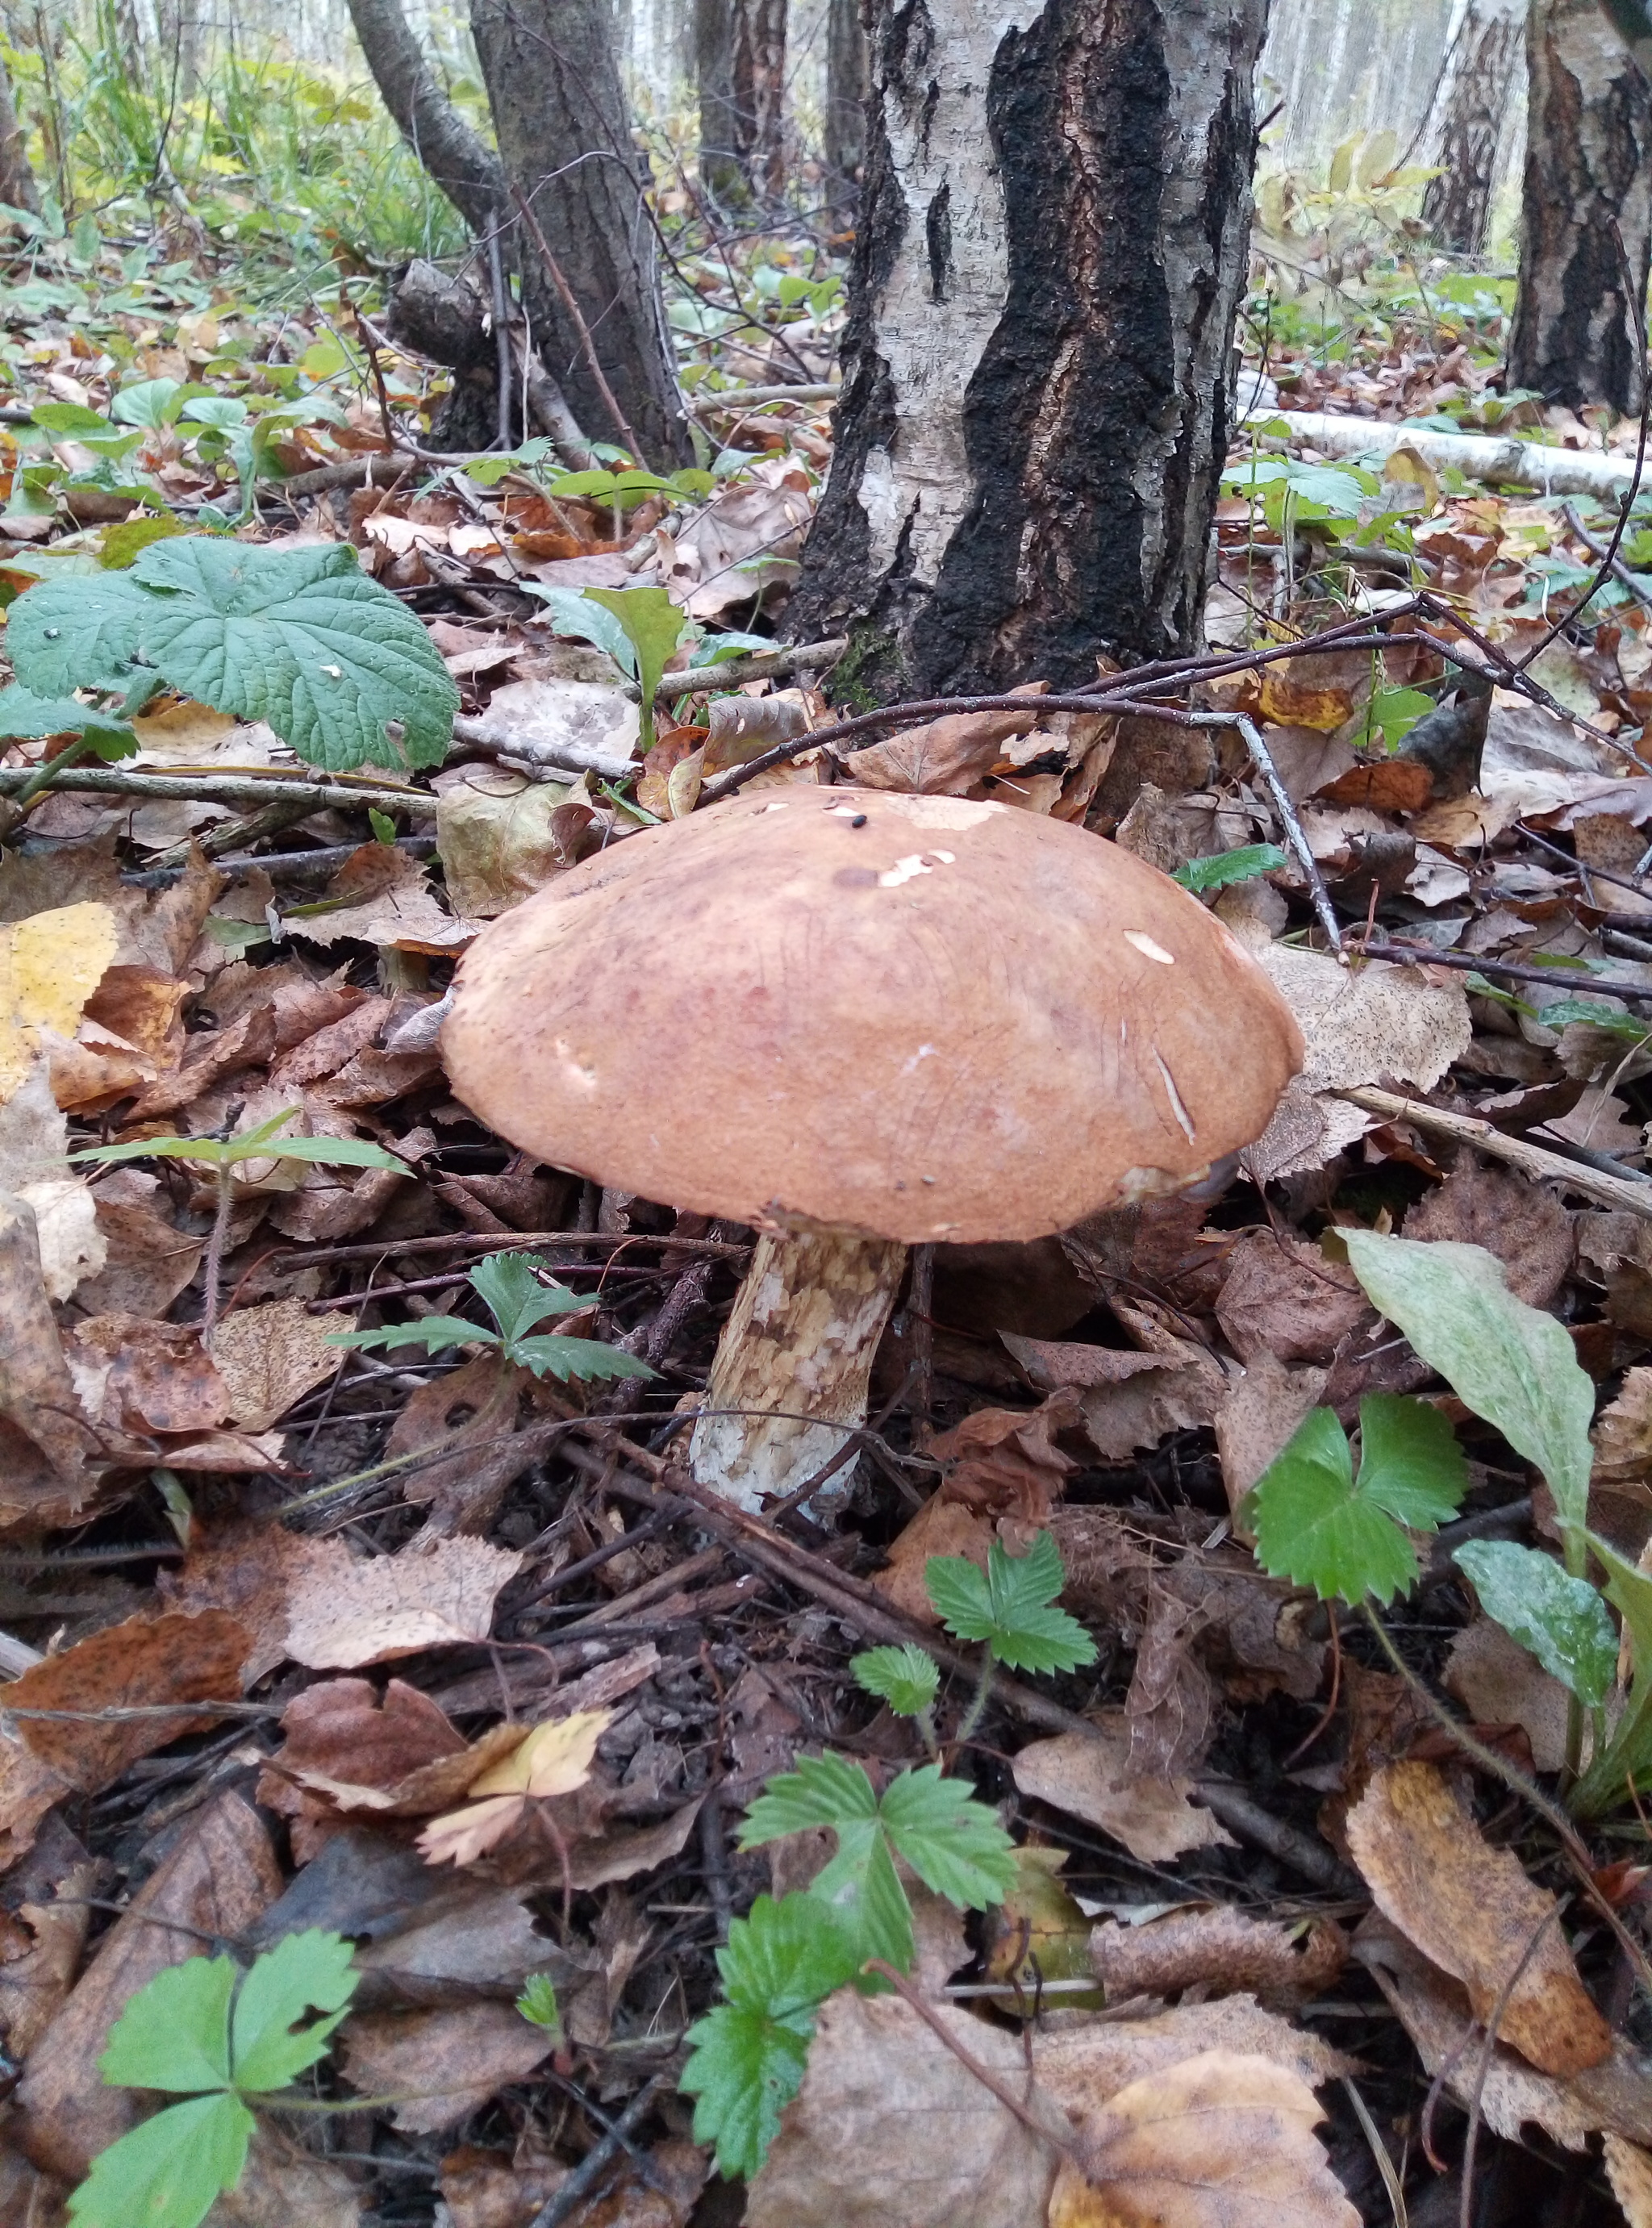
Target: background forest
825 1114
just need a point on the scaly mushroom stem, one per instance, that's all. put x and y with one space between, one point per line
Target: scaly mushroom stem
793 1364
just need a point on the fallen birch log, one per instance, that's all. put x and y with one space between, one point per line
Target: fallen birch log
1478 456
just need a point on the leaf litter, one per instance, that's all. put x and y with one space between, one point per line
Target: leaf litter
418 1580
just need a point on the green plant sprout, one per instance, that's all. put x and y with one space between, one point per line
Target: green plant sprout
639 628
782 1961
301 639
1216 872
518 1302
220 2039
907 1678
225 1155
537 2004
1009 1608
1516 1368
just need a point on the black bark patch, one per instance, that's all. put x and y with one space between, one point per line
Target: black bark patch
938 232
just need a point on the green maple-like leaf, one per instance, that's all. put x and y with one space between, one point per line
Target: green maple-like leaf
308 1972
171 2170
1318 1525
1010 1606
748 2056
905 1677
299 638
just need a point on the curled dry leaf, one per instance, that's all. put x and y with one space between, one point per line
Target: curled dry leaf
1089 1778
402 1758
343 1611
35 1984
1219 2142
1127 1400
501 837
1004 1462
1500 1683
1222 1949
33 1151
383 896
1081 2063
554 1760
946 756
1474 1912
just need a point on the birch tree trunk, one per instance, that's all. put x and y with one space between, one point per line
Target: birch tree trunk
1052 240
468 172
565 143
17 186
1588 163
1457 208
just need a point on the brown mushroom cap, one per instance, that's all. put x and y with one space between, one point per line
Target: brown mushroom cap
915 1017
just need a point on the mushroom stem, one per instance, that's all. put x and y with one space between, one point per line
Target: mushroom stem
793 1364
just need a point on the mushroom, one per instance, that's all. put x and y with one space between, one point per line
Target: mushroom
861 1021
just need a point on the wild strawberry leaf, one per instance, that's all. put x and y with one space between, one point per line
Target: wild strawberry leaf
905 1677
307 1972
1010 1606
171 2170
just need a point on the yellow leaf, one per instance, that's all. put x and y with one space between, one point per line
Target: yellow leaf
460 1837
50 964
554 1760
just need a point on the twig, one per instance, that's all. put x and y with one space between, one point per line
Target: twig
585 2177
214 1261
762 665
1533 1161
493 1241
228 789
1494 2019
742 398
1295 833
1620 572
576 317
500 332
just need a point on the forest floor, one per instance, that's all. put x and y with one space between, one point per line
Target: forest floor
1250 1828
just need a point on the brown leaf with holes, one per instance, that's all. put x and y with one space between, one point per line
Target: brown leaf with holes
466 1424
269 1357
1220 2141
1222 1949
1473 1909
144 1663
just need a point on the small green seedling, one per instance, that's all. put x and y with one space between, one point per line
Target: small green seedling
217 2037
537 2003
302 638
1009 1605
784 1961
1223 868
907 1678
1318 1525
518 1302
639 628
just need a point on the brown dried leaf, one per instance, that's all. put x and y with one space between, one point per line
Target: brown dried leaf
401 1757
1472 1909
940 1528
283 2186
1219 1949
501 837
35 1986
490 2189
139 1375
554 1758
383 896
1524 1226
1258 1416
215 1880
1089 1778
1392 784
343 1611
1284 1297
1003 1461
444 2064
269 1357
147 1261
144 1661
946 756
1622 1432
50 964
1500 1684
1083 2063
1219 2142
466 1422
1128 1400
1628 2168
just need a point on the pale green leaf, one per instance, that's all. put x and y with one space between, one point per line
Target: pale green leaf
1562 1620
1316 1526
435 1331
307 1972
80 632
174 2033
585 1359
905 1677
1512 1364
954 1844
1010 1606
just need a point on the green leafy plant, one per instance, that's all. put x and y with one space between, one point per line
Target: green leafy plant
518 1302
784 1961
639 628
217 2037
299 638
537 2003
1224 866
908 1678
1009 1605
1560 1619
1318 1525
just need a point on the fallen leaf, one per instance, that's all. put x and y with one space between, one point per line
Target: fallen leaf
1219 2142
1220 1949
215 1879
556 1758
268 1357
741 543
45 1443
1082 2062
1294 704
1525 1226
492 2189
1628 2169
944 757
1128 1400
466 1424
398 1754
940 1528
501 837
383 896
35 1986
1392 784
542 716
1499 1683
1004 1462
344 1611
50 964
1623 1431
1474 1912
139 1375
1258 1417
1089 1778
890 2126
1284 1297
33 1156
145 1662
282 2184
442 2064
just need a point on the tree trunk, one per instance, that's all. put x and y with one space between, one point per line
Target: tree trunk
846 76
766 45
1588 165
1457 208
1052 240
740 62
565 143
17 186
722 133
468 172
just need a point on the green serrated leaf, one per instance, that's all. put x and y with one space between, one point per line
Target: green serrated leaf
860 1885
784 1957
1560 1619
1314 1525
954 1844
26 716
1512 1364
308 1972
654 626
905 1677
587 1359
81 631
537 2003
436 1331
171 2170
174 2034
514 1295
1008 1606
1225 866
825 1790
323 1152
